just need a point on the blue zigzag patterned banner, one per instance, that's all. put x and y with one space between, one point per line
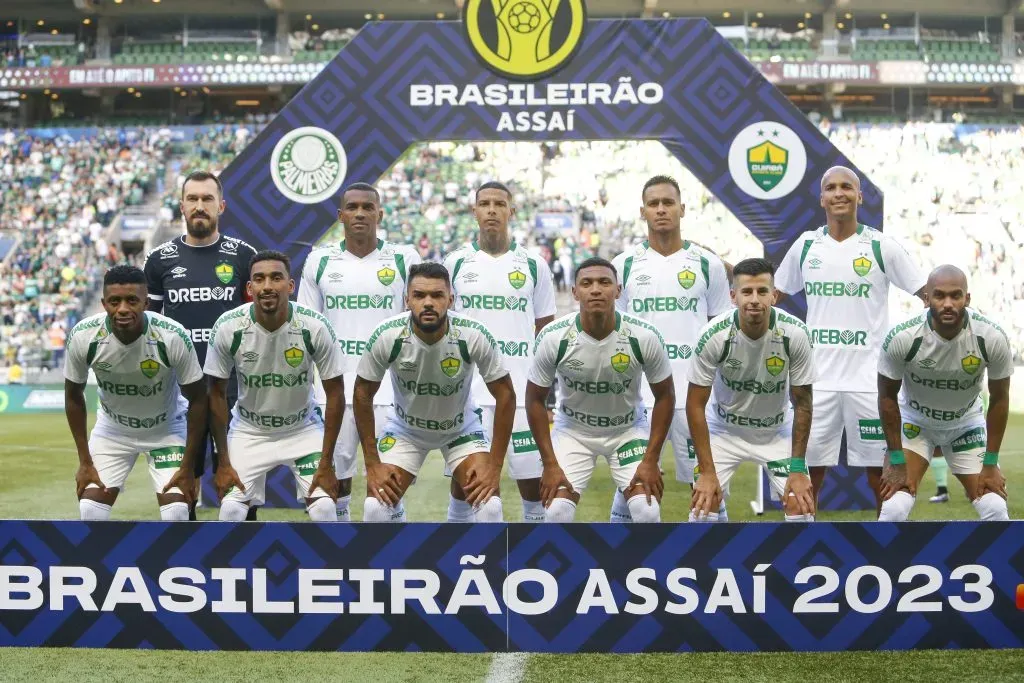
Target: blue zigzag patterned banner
497 587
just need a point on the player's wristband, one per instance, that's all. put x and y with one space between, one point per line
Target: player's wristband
990 458
797 466
897 457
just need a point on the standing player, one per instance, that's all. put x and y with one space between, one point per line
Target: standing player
197 277
845 268
676 286
498 282
273 346
751 356
139 360
598 356
432 355
356 284
939 358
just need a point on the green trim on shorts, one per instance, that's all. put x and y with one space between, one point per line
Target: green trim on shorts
969 440
631 451
167 458
466 438
523 442
778 468
307 464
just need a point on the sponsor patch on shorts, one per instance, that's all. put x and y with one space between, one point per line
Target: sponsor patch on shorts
167 458
778 468
631 451
691 452
970 440
307 464
871 430
522 442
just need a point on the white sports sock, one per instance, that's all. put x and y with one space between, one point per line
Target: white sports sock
644 512
620 513
342 513
711 518
322 510
723 512
174 512
375 511
91 511
561 510
459 510
800 518
400 512
233 511
897 508
991 508
533 511
489 511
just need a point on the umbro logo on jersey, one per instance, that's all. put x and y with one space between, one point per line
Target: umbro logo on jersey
926 363
169 251
102 365
229 247
407 365
574 364
335 276
250 357
734 363
643 279
469 277
815 263
179 272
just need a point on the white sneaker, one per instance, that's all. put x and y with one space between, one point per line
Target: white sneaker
939 498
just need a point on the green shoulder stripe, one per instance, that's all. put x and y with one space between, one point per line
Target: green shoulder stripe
644 324
381 329
563 346
876 249
161 350
807 248
236 342
84 326
396 349
720 326
634 344
554 327
790 320
532 263
913 322
914 348
400 265
455 270
705 269
626 267
322 267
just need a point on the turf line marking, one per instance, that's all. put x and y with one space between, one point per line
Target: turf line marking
19 447
507 667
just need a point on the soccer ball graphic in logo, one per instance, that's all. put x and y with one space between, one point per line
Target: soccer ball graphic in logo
524 18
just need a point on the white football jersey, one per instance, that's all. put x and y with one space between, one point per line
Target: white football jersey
506 293
432 382
138 382
942 379
275 369
355 295
847 288
599 381
751 377
675 293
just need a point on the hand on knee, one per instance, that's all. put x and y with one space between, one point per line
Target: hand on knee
642 511
712 517
561 510
376 511
489 511
233 511
897 508
322 510
991 508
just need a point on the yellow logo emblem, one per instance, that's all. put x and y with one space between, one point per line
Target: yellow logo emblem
386 276
450 366
225 272
386 443
620 362
970 363
861 266
686 278
516 279
775 365
149 368
517 38
293 356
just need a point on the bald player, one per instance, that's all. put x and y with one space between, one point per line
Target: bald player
940 358
846 268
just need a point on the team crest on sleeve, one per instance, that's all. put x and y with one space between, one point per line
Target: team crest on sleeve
450 366
862 265
620 362
686 278
225 272
517 279
970 363
774 365
149 368
911 430
293 356
386 275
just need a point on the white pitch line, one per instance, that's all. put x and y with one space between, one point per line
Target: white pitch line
507 667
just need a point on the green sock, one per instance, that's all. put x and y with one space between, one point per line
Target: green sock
941 471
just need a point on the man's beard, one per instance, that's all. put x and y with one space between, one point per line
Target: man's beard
431 327
200 231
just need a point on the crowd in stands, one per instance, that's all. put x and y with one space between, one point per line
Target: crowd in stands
57 198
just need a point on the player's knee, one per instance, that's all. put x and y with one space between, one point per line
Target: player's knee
174 512
459 511
723 511
897 508
233 511
533 511
711 517
620 513
489 511
93 511
376 511
644 512
322 510
561 510
991 508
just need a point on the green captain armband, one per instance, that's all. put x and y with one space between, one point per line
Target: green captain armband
797 466
897 457
990 459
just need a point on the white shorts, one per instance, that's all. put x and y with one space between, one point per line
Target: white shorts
115 458
253 456
347 447
962 445
522 457
857 412
577 455
728 451
682 445
397 446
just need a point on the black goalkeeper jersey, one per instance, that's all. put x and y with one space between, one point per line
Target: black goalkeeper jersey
197 284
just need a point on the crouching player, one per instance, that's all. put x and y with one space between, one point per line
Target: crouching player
940 358
599 357
751 355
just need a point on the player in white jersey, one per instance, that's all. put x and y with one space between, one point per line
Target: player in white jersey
756 358
598 356
676 286
273 345
510 291
432 355
845 269
139 359
355 284
940 358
